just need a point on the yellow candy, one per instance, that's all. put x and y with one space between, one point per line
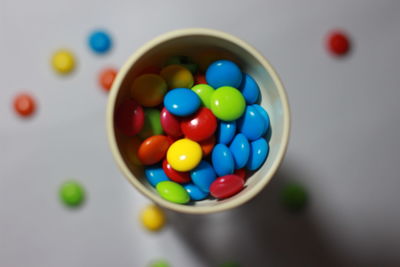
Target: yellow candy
63 61
148 90
177 76
152 218
184 155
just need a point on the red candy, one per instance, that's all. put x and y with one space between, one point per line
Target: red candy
338 43
179 177
153 149
129 117
241 173
150 70
106 78
200 79
199 126
207 145
24 105
170 124
226 186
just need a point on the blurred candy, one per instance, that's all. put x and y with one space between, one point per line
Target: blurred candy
227 103
106 78
240 149
177 76
184 155
195 192
129 117
226 131
63 61
204 91
226 186
207 145
170 123
252 123
294 196
100 41
131 150
249 89
153 149
181 102
150 70
24 105
338 43
203 175
155 174
152 124
176 176
223 73
222 160
148 90
258 154
200 78
173 192
72 193
199 126
184 61
152 218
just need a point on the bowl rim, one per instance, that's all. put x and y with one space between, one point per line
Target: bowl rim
113 141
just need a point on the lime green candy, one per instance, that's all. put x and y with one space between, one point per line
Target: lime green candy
159 263
204 91
152 125
72 194
173 192
227 103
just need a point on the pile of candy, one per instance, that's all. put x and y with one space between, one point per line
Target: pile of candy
195 135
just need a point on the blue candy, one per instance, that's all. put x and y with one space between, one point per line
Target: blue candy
182 102
265 116
223 73
100 42
226 131
252 123
203 176
222 160
155 174
258 154
249 89
240 149
195 192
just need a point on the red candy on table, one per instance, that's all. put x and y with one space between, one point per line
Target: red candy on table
199 126
226 186
179 177
200 78
129 117
241 173
24 105
207 145
106 78
338 43
170 123
153 149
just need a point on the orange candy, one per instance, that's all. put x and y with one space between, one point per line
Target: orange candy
106 78
24 105
207 145
153 149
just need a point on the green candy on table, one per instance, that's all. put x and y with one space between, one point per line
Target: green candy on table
72 194
227 103
184 61
204 91
159 263
152 124
173 192
294 197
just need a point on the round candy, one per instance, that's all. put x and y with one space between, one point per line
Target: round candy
264 115
199 126
226 186
200 78
131 150
204 91
173 192
240 149
203 175
258 154
222 160
181 102
155 174
177 76
184 155
226 131
152 124
184 61
249 89
227 103
153 149
148 90
24 105
338 43
195 192
252 124
106 78
152 218
241 173
159 263
72 193
223 73
100 42
294 197
63 61
129 117
178 177
170 123
207 145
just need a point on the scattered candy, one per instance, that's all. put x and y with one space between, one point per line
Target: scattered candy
148 90
199 126
226 132
195 192
159 263
170 123
153 149
100 42
204 91
224 73
106 78
203 176
222 160
173 192
72 194
294 197
258 153
152 124
181 102
184 155
226 186
24 105
63 61
155 174
152 218
249 89
227 103
252 124
176 176
338 43
177 76
129 117
240 149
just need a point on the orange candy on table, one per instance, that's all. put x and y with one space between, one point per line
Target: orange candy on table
106 78
153 149
24 105
148 90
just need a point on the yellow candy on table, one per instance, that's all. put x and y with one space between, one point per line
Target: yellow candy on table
153 218
177 76
148 90
63 61
184 155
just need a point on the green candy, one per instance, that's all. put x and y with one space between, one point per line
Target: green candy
204 91
152 125
159 263
72 194
184 61
173 192
227 103
294 197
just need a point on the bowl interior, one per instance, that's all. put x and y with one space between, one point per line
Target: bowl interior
199 44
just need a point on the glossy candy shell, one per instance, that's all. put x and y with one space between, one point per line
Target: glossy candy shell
249 89
240 149
173 192
170 123
178 177
226 131
226 186
182 102
222 160
203 175
199 126
155 174
258 154
195 192
252 124
153 149
223 73
129 117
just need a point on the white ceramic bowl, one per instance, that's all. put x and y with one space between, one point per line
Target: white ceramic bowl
194 42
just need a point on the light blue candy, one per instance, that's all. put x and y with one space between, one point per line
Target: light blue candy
222 160
251 124
203 176
258 154
223 73
195 192
155 174
265 116
182 102
249 89
240 149
100 42
226 131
